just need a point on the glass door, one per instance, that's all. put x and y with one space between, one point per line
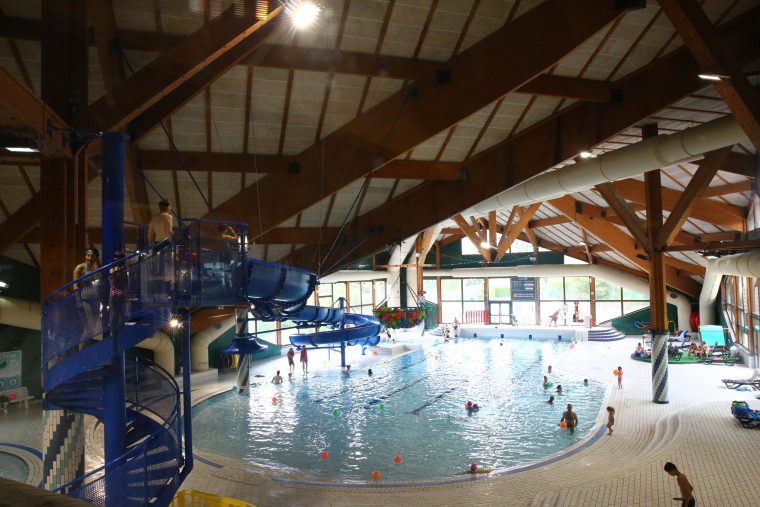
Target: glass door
501 313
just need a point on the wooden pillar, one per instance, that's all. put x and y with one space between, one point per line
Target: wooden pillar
64 88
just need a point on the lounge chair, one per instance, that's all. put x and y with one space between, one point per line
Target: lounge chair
683 337
734 383
721 357
747 417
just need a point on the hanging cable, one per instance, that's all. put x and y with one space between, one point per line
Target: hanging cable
171 145
367 178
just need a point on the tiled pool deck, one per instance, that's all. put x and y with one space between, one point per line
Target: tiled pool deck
695 430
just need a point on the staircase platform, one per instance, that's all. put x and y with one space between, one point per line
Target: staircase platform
604 334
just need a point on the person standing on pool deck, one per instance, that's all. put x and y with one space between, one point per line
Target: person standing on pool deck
686 498
304 359
620 377
291 361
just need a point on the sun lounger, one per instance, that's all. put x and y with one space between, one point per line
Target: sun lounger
734 383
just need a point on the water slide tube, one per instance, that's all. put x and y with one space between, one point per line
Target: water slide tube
279 292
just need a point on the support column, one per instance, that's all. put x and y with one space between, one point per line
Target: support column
244 359
187 419
657 288
64 86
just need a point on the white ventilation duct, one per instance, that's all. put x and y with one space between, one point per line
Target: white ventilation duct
550 270
649 154
163 350
19 313
202 339
745 264
352 275
398 255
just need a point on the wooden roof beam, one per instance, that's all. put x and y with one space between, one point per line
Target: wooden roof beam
690 197
515 229
525 155
706 44
182 71
472 235
626 214
414 114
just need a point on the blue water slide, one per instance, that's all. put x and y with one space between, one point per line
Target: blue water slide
365 330
279 292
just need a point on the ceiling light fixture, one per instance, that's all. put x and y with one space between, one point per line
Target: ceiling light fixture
302 13
174 323
3 285
712 77
484 244
587 154
19 143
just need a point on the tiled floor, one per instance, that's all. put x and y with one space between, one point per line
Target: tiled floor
695 430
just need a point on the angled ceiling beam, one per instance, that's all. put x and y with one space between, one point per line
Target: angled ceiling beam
714 246
690 197
525 155
730 188
623 244
414 114
472 235
707 210
23 109
706 44
626 214
335 61
492 229
584 238
166 160
103 27
739 163
515 230
198 59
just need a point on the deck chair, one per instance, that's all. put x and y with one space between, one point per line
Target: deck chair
734 383
747 417
683 337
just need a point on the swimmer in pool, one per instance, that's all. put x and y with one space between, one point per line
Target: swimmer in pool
550 401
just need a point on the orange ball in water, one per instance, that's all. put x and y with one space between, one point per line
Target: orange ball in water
615 372
563 425
325 454
376 475
397 458
274 399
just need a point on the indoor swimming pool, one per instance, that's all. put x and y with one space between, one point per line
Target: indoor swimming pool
413 406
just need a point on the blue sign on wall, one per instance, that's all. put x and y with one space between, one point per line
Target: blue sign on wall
523 288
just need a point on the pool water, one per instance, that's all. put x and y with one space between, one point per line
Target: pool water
12 467
413 406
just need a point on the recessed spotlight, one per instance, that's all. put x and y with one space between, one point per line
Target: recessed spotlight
21 149
302 13
3 285
174 323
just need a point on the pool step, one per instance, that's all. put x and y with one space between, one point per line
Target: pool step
604 334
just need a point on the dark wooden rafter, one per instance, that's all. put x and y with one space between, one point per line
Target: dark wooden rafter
706 44
631 220
715 246
18 59
515 229
472 235
411 116
103 27
492 226
586 246
690 197
571 131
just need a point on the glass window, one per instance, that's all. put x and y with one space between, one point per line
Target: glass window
325 294
354 293
525 313
451 289
576 288
632 295
366 293
632 306
606 310
606 291
468 248
551 289
339 290
379 291
431 290
474 289
520 246
478 307
499 289
449 310
549 308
